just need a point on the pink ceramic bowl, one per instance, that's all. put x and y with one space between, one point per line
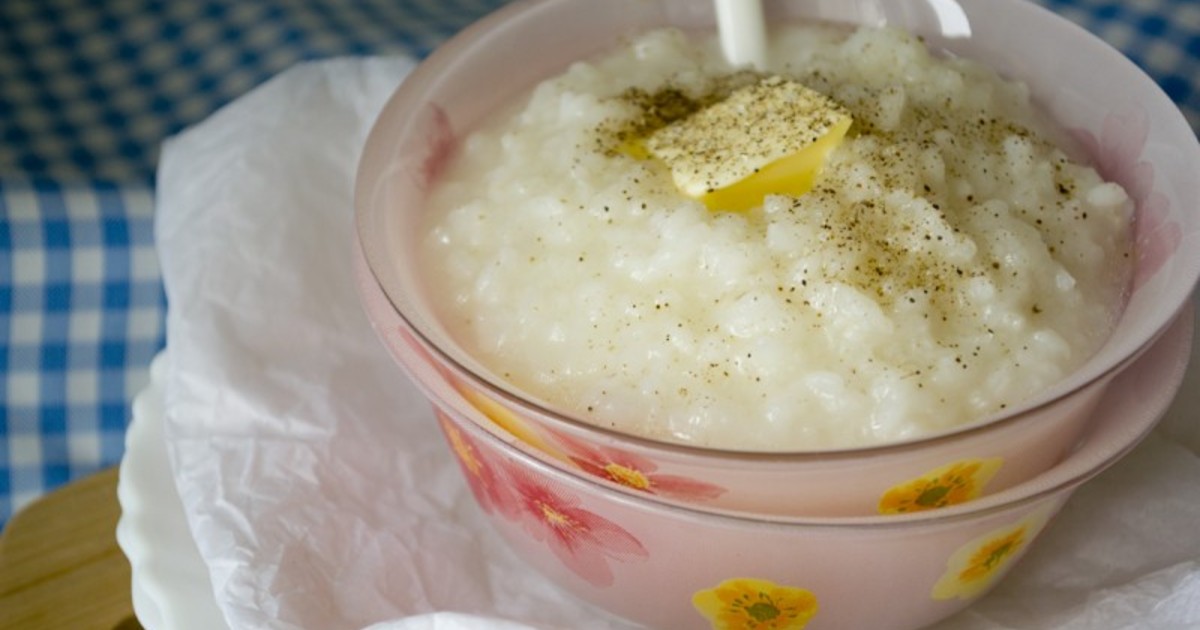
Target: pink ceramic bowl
674 567
1134 133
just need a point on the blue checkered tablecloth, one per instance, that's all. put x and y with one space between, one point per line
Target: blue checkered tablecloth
88 90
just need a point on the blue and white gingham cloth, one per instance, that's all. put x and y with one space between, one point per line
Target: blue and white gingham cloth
88 90
81 315
1161 36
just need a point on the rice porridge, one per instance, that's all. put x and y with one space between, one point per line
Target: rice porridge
943 261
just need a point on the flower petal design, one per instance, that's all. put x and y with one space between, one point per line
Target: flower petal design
1117 153
977 565
754 604
441 143
1157 238
582 540
490 489
954 483
633 471
506 419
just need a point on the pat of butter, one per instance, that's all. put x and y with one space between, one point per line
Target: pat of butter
768 138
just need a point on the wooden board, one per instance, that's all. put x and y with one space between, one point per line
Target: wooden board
60 566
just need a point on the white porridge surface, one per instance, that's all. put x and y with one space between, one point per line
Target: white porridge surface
948 263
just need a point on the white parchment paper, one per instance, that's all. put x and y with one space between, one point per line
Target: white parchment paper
311 474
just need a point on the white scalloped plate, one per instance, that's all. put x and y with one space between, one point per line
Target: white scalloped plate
171 588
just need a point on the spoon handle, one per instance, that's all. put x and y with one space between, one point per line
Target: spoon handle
743 32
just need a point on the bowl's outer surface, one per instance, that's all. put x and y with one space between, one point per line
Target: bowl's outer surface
670 567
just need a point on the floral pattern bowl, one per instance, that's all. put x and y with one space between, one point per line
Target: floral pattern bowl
668 566
1134 133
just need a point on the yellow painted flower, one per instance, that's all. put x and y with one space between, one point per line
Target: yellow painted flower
752 604
978 564
507 420
951 484
463 449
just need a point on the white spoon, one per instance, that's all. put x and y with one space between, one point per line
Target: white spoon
743 32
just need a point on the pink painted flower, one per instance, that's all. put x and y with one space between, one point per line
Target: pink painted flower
1117 153
584 541
441 144
634 471
491 489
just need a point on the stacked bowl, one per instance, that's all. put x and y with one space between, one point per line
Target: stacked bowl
897 535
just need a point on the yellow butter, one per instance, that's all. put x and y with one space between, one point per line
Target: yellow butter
771 137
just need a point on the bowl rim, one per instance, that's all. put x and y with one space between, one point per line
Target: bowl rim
409 93
1090 459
